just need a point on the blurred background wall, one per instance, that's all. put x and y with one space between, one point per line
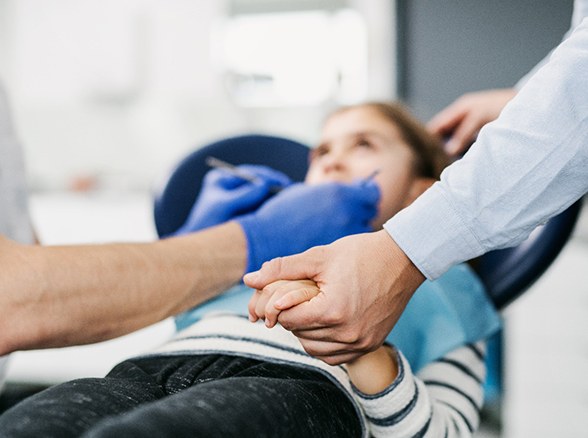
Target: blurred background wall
454 46
120 89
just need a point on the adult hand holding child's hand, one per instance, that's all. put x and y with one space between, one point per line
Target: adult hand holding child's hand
365 283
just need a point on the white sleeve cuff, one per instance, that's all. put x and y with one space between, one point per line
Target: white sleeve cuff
432 234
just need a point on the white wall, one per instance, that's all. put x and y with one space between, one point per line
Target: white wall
103 87
120 89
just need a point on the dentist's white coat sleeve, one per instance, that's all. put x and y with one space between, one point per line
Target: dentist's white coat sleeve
528 165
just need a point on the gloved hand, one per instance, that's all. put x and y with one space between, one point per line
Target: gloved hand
303 216
224 196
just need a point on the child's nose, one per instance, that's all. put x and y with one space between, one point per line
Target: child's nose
334 162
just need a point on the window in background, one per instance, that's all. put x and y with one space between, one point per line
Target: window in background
109 93
293 58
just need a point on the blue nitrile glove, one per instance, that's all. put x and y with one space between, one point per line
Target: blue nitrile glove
224 196
303 216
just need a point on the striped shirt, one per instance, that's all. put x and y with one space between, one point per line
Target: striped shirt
442 400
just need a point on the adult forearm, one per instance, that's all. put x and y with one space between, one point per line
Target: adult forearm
67 295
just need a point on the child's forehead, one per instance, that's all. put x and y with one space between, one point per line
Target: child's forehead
358 121
359 112
358 117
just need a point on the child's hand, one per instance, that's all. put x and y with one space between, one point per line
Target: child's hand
281 295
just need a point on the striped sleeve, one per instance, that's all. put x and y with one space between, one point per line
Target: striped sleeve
443 400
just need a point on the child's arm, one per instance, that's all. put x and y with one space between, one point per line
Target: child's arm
443 400
375 371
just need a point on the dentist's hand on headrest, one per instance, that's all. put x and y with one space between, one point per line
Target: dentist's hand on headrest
225 196
303 216
462 120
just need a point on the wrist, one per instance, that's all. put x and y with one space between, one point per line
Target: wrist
247 225
400 266
23 296
373 372
224 259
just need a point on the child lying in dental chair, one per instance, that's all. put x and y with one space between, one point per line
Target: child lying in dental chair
223 375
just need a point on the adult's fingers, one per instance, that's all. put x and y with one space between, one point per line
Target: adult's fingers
290 295
297 267
310 315
464 134
464 117
447 119
333 353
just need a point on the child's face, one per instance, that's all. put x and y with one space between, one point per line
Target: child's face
357 142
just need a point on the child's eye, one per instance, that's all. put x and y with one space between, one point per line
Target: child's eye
319 151
363 143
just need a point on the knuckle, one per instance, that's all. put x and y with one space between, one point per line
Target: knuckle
331 360
267 292
267 266
349 336
313 351
307 294
251 306
272 267
277 263
270 310
280 287
334 316
260 307
285 322
364 344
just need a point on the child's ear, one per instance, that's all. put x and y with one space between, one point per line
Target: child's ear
418 187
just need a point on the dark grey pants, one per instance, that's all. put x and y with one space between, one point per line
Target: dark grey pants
188 396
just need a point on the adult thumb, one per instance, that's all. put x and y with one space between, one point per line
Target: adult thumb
296 267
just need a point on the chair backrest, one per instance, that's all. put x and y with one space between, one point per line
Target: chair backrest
175 197
506 273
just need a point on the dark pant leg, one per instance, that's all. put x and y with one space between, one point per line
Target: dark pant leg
67 410
188 396
260 400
